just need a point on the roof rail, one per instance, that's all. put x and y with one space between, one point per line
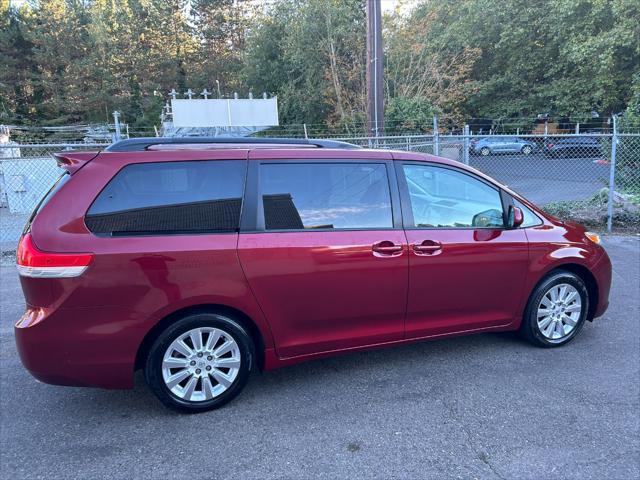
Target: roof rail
143 143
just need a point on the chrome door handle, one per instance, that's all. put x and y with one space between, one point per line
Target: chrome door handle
386 248
428 247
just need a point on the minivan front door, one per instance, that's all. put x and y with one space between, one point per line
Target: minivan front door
466 271
328 260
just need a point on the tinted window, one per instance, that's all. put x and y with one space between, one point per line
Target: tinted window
325 195
170 197
441 197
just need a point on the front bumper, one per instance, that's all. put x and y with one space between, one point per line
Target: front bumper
602 271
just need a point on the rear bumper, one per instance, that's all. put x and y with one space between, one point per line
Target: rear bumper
94 347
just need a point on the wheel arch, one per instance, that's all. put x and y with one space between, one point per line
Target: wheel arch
234 313
585 275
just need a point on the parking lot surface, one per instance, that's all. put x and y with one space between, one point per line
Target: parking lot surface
483 406
543 179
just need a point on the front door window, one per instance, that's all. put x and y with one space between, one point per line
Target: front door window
445 198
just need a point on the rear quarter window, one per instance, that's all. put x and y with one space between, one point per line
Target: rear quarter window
170 198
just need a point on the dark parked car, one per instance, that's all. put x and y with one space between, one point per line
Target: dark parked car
573 147
199 260
491 145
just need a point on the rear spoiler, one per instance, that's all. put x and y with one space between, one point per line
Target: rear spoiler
72 161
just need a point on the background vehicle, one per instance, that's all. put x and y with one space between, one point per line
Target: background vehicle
499 144
574 147
199 260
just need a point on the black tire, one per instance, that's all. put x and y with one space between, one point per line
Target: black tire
153 367
527 150
530 329
485 151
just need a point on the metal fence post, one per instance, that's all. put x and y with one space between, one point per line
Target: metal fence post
436 138
116 121
612 174
465 145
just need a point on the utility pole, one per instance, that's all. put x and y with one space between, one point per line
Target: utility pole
375 62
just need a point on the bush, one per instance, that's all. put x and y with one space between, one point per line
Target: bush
405 115
593 212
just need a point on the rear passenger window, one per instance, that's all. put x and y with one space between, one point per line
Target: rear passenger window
170 197
325 196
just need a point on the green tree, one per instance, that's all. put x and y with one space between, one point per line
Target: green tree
220 27
68 61
59 39
407 115
423 75
311 54
18 66
567 57
598 44
140 51
630 120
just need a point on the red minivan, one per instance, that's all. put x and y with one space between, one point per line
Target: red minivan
199 260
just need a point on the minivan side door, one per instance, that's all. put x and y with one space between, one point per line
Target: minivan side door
466 270
325 253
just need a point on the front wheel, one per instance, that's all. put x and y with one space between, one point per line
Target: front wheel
556 311
484 151
199 363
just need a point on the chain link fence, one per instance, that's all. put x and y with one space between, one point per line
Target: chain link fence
569 175
592 178
27 171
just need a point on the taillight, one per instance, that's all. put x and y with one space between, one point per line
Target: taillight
549 145
32 262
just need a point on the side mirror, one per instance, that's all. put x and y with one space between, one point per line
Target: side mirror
516 217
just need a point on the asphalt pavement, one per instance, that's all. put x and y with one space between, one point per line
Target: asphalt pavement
484 406
543 179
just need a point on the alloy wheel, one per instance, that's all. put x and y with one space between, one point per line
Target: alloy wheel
201 364
559 311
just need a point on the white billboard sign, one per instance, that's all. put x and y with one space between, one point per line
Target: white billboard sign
245 112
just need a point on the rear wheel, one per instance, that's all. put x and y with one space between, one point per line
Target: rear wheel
527 150
484 151
199 363
556 311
